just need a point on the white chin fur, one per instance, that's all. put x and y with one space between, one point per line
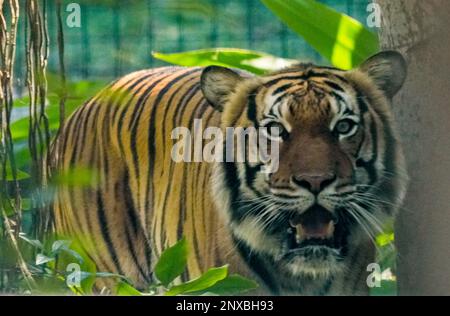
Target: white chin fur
300 266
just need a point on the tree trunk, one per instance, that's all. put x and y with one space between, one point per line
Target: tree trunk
421 30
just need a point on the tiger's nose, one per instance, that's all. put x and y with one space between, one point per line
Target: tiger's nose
314 182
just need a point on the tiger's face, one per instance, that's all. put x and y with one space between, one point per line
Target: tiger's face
340 167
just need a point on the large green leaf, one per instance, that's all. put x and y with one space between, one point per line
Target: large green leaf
125 289
231 285
172 262
205 281
344 41
252 61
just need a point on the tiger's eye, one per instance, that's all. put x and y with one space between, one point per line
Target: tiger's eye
344 126
276 130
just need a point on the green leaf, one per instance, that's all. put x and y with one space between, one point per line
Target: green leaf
58 245
77 93
85 275
26 204
74 254
232 285
172 262
384 239
108 275
111 275
252 61
205 281
33 242
387 288
387 236
124 289
20 175
77 177
21 102
41 259
87 267
344 41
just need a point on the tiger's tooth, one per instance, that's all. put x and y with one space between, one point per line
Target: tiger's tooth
330 229
299 235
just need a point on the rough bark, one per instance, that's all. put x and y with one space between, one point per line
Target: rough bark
421 30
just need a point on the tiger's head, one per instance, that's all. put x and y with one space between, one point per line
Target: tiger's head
341 174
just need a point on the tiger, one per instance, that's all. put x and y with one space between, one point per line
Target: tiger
306 228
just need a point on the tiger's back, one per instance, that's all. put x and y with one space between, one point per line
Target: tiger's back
141 201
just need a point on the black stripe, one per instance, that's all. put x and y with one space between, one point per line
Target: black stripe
74 120
328 68
129 91
282 88
106 140
82 121
338 97
363 108
250 175
294 77
182 205
73 159
144 97
251 109
179 112
257 265
134 125
94 149
200 108
129 204
362 104
333 85
125 111
152 130
277 100
369 166
105 232
133 220
233 183
164 120
185 101
131 242
312 73
85 191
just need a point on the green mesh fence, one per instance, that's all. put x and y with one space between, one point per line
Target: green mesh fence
117 37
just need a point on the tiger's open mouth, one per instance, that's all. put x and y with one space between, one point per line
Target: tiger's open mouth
317 228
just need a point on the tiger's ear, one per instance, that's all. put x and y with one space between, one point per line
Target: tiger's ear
388 70
217 83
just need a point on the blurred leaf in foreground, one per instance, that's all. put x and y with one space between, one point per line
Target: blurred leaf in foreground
205 281
252 61
232 285
341 39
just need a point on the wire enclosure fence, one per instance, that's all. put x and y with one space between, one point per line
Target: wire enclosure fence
117 37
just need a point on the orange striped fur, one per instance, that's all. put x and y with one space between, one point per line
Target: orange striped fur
140 201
